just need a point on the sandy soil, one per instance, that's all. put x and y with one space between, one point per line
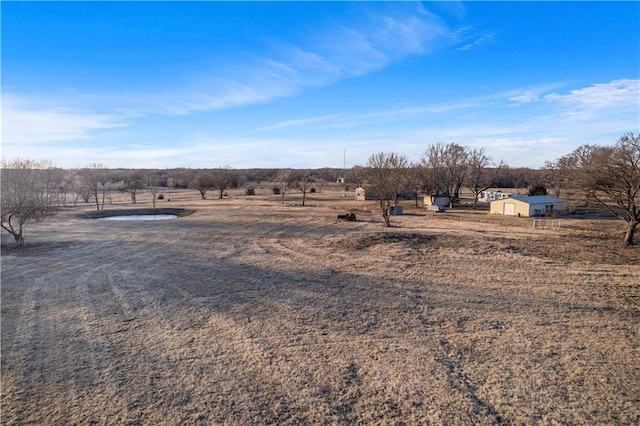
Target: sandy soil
251 312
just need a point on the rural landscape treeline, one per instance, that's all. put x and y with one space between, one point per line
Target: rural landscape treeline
608 176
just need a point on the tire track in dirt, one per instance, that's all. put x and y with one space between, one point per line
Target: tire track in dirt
253 347
89 353
16 386
77 366
252 354
59 368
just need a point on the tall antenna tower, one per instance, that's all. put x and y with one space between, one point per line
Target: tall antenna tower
344 169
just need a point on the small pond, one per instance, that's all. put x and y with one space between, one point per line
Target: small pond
141 217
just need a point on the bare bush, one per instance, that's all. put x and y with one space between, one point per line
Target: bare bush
28 190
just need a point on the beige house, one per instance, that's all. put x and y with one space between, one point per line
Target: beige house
360 193
523 206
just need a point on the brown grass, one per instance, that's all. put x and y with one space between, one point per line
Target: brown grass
251 312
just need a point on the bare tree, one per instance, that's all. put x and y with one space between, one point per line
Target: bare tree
202 182
59 185
28 189
523 177
282 181
94 180
80 189
133 182
480 176
427 179
151 182
180 177
552 177
611 175
223 178
384 175
449 165
354 177
414 180
302 181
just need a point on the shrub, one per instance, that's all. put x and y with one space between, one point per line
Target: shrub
312 190
537 190
160 197
275 190
250 191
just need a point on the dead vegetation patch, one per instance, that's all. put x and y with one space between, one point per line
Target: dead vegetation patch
565 248
570 248
558 248
363 241
264 314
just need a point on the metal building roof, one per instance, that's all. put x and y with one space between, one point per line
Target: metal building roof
538 199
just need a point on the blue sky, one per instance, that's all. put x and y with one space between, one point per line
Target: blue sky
295 84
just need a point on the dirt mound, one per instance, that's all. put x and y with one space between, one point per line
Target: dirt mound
362 241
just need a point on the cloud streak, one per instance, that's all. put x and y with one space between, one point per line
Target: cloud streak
327 55
24 123
331 54
525 126
616 96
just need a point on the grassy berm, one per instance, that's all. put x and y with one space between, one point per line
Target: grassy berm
248 311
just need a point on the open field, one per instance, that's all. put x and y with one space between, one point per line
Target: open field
252 312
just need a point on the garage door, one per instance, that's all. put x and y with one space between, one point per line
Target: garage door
509 209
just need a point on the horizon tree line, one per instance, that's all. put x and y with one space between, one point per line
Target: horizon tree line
607 175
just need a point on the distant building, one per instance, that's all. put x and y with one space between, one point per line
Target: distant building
488 196
439 200
360 194
396 210
523 206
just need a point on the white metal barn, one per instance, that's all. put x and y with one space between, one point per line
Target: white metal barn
523 206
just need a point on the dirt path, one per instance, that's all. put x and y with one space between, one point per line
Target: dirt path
267 314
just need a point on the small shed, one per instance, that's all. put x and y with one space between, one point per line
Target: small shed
523 206
360 194
396 210
439 200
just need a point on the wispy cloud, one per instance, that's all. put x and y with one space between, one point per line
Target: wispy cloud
301 122
467 38
489 101
616 96
23 122
525 97
523 126
330 54
477 41
325 55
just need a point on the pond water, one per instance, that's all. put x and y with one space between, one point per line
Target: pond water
142 217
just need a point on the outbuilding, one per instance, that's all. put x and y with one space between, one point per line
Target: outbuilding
523 206
439 200
360 194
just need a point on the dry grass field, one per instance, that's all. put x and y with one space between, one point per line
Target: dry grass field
248 311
